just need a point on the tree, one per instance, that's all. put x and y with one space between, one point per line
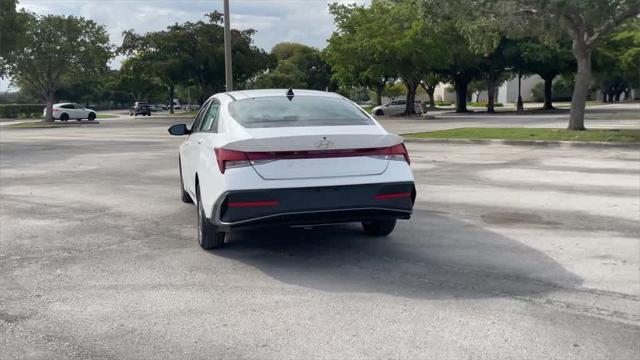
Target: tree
12 29
356 54
616 63
588 23
387 39
530 55
467 31
136 79
56 49
429 83
193 53
285 75
301 64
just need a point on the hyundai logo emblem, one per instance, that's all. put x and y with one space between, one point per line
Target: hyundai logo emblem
324 144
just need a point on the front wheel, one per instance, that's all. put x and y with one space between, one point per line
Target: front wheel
379 227
92 116
208 235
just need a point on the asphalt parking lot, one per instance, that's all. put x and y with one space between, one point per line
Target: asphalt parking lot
512 252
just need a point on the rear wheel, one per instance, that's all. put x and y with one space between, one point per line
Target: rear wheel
208 235
379 227
64 117
379 113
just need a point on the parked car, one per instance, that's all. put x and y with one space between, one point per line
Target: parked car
395 107
66 111
140 108
271 157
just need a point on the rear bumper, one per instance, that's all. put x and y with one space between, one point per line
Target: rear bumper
314 205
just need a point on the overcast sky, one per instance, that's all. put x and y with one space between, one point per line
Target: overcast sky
304 21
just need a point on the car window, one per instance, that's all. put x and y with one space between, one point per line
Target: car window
67 106
279 111
77 106
210 120
195 127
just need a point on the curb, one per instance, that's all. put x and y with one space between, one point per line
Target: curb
522 142
56 125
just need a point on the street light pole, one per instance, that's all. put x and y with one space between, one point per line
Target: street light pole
227 48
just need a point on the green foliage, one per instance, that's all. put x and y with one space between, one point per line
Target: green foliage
285 75
193 53
356 52
483 104
562 89
12 30
10 111
617 61
533 134
298 66
394 90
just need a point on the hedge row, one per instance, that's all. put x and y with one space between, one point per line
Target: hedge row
11 111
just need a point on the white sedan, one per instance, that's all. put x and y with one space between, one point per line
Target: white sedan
296 158
395 107
66 111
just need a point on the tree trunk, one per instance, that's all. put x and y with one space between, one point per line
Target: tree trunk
171 90
461 95
49 114
430 90
548 89
491 96
432 99
379 90
411 85
581 89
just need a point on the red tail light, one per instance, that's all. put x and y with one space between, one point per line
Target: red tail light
232 158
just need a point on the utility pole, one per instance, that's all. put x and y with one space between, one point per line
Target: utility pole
227 48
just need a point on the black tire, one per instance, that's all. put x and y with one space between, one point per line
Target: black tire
208 235
64 117
379 113
379 227
92 116
183 194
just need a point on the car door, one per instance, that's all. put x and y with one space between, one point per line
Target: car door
67 109
82 112
400 107
76 111
206 140
189 152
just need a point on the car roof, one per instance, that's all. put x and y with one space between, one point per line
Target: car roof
60 104
245 94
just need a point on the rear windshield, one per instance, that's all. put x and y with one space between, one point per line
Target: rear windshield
278 111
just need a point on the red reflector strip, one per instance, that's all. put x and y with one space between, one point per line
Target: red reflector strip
393 195
239 204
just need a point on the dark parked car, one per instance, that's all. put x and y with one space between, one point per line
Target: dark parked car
140 108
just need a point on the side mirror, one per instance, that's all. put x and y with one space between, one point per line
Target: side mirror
179 130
